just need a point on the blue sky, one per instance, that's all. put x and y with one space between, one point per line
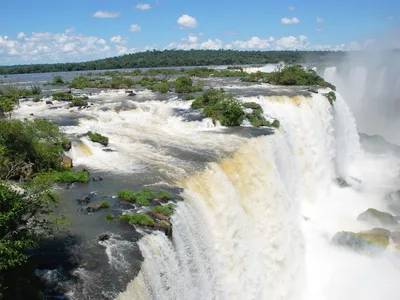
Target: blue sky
59 31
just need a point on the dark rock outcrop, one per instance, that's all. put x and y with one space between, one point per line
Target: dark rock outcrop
368 242
377 217
85 199
131 94
97 178
49 102
67 145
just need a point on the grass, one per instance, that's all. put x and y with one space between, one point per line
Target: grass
137 219
109 218
61 96
189 97
105 204
70 176
164 195
36 99
127 195
78 102
97 138
57 81
160 209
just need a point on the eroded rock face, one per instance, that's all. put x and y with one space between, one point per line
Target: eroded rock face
367 242
380 218
66 162
97 178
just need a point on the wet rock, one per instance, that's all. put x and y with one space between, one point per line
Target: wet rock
132 95
341 182
161 217
129 92
393 201
109 150
104 237
84 199
67 145
49 102
365 242
26 171
97 178
66 162
91 209
380 218
395 236
32 114
165 227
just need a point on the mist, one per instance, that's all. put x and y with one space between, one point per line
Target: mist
369 80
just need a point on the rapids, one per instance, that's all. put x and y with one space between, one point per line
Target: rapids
260 206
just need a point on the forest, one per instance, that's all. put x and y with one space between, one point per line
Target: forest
181 58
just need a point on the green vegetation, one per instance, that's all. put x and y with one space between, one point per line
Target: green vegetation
331 97
189 97
127 195
36 99
160 209
98 138
25 222
78 102
70 176
137 219
220 106
184 84
28 147
168 58
292 75
10 96
63 96
141 198
164 195
109 218
105 204
57 81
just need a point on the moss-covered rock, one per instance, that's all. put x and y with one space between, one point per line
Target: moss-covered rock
98 138
331 97
366 242
377 217
66 162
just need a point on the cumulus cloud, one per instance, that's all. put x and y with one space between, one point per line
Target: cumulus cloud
135 28
288 21
186 21
143 6
106 14
21 35
320 20
117 39
45 47
292 8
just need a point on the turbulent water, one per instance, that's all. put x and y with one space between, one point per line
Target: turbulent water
260 206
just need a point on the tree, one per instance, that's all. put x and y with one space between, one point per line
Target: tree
24 221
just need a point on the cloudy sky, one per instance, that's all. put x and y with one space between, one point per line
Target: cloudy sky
45 31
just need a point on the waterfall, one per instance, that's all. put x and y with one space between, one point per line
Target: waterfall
240 233
371 86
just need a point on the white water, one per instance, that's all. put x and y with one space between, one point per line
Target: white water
372 90
258 225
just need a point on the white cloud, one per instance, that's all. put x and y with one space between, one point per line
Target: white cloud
117 39
192 38
292 8
102 42
287 21
106 14
135 28
186 21
143 6
320 20
21 35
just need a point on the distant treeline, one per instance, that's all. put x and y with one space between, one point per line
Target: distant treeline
178 58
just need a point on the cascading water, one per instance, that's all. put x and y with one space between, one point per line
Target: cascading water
370 82
255 226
